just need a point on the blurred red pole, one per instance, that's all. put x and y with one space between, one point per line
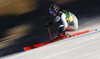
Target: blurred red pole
50 34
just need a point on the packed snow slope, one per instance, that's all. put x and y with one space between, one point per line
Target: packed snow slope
80 47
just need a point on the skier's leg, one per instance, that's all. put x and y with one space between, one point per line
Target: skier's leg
61 30
69 28
75 21
73 25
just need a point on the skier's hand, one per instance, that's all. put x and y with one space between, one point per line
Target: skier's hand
48 23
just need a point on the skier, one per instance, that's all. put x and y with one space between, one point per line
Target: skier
69 20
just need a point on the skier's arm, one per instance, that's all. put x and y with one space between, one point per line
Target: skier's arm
54 21
63 19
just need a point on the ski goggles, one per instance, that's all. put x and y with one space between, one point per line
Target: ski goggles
52 12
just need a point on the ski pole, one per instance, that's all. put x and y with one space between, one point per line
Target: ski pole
50 34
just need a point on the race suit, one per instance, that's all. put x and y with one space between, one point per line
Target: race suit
69 21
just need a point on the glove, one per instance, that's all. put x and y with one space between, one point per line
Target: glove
48 23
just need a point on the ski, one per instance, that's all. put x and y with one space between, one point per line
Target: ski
57 39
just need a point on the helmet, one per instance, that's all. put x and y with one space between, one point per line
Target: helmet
54 8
